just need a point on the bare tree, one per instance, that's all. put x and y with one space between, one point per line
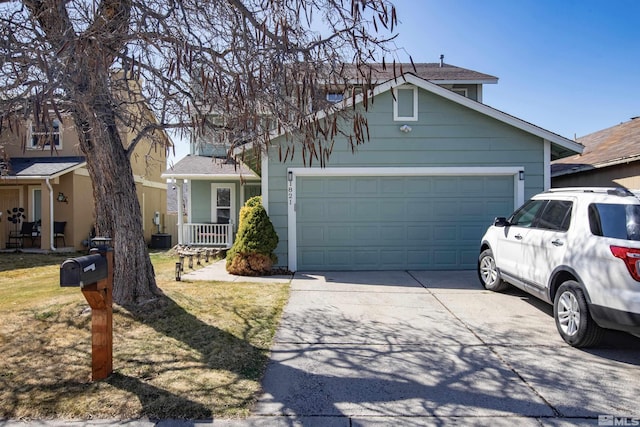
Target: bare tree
236 68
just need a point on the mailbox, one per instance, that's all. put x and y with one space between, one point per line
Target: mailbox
83 270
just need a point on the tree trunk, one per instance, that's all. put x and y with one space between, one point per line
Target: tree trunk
117 208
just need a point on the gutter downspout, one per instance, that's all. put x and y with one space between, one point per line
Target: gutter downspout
51 241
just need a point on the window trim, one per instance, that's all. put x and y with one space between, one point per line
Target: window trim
463 91
214 202
334 97
32 133
396 116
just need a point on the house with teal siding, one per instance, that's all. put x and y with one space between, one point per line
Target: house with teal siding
217 188
437 168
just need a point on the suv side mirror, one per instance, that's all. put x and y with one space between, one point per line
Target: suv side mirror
500 222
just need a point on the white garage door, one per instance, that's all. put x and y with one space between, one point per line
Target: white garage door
396 222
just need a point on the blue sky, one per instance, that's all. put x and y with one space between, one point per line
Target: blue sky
569 66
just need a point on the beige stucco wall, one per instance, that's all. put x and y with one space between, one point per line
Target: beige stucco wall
13 141
626 175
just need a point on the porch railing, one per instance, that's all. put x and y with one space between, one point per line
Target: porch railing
218 235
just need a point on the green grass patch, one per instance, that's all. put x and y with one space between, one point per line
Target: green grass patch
197 353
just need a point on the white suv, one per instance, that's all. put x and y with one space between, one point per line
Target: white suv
575 248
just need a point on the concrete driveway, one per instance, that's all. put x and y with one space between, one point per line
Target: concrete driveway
434 348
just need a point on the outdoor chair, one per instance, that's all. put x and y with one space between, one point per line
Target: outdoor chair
58 231
28 230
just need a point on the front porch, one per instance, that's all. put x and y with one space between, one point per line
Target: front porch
204 234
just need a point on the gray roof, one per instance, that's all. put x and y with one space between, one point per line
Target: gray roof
203 167
36 167
435 72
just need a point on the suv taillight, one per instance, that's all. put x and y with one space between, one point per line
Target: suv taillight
631 258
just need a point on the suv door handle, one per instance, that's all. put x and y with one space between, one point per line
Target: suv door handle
557 242
518 236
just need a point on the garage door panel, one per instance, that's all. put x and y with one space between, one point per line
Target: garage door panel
445 234
445 209
392 186
338 211
445 185
339 258
416 185
340 235
418 222
313 234
313 258
338 186
469 257
472 186
393 233
418 258
419 208
366 186
419 233
367 210
366 259
446 258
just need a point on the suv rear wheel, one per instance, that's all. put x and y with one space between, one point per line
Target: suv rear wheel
488 272
573 320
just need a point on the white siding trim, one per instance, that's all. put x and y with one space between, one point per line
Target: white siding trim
292 246
396 116
546 165
292 220
264 183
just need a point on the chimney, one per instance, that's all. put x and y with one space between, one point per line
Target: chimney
441 60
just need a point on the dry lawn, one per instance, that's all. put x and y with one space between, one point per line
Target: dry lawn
197 353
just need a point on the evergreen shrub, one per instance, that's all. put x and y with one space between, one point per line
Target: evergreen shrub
252 253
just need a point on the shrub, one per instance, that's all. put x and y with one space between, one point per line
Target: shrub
252 252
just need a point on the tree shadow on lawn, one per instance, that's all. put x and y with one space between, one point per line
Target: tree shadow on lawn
208 349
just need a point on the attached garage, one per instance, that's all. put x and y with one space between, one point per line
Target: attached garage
394 218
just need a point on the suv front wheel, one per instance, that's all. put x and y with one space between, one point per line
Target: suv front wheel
488 272
573 320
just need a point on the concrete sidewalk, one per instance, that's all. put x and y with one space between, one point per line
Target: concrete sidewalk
217 271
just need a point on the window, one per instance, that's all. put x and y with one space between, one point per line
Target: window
405 103
44 134
460 91
524 216
335 97
615 220
556 216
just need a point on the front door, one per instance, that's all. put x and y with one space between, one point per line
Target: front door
222 204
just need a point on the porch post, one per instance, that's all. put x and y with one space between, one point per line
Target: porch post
180 211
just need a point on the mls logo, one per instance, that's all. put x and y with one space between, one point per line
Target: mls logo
610 420
605 420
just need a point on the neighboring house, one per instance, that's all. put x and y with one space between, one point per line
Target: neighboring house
611 158
438 167
217 189
54 186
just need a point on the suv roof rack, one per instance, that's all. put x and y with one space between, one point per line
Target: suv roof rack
614 191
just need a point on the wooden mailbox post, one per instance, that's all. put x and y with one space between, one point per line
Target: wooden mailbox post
94 275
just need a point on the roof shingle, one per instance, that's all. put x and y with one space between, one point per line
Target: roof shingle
614 145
